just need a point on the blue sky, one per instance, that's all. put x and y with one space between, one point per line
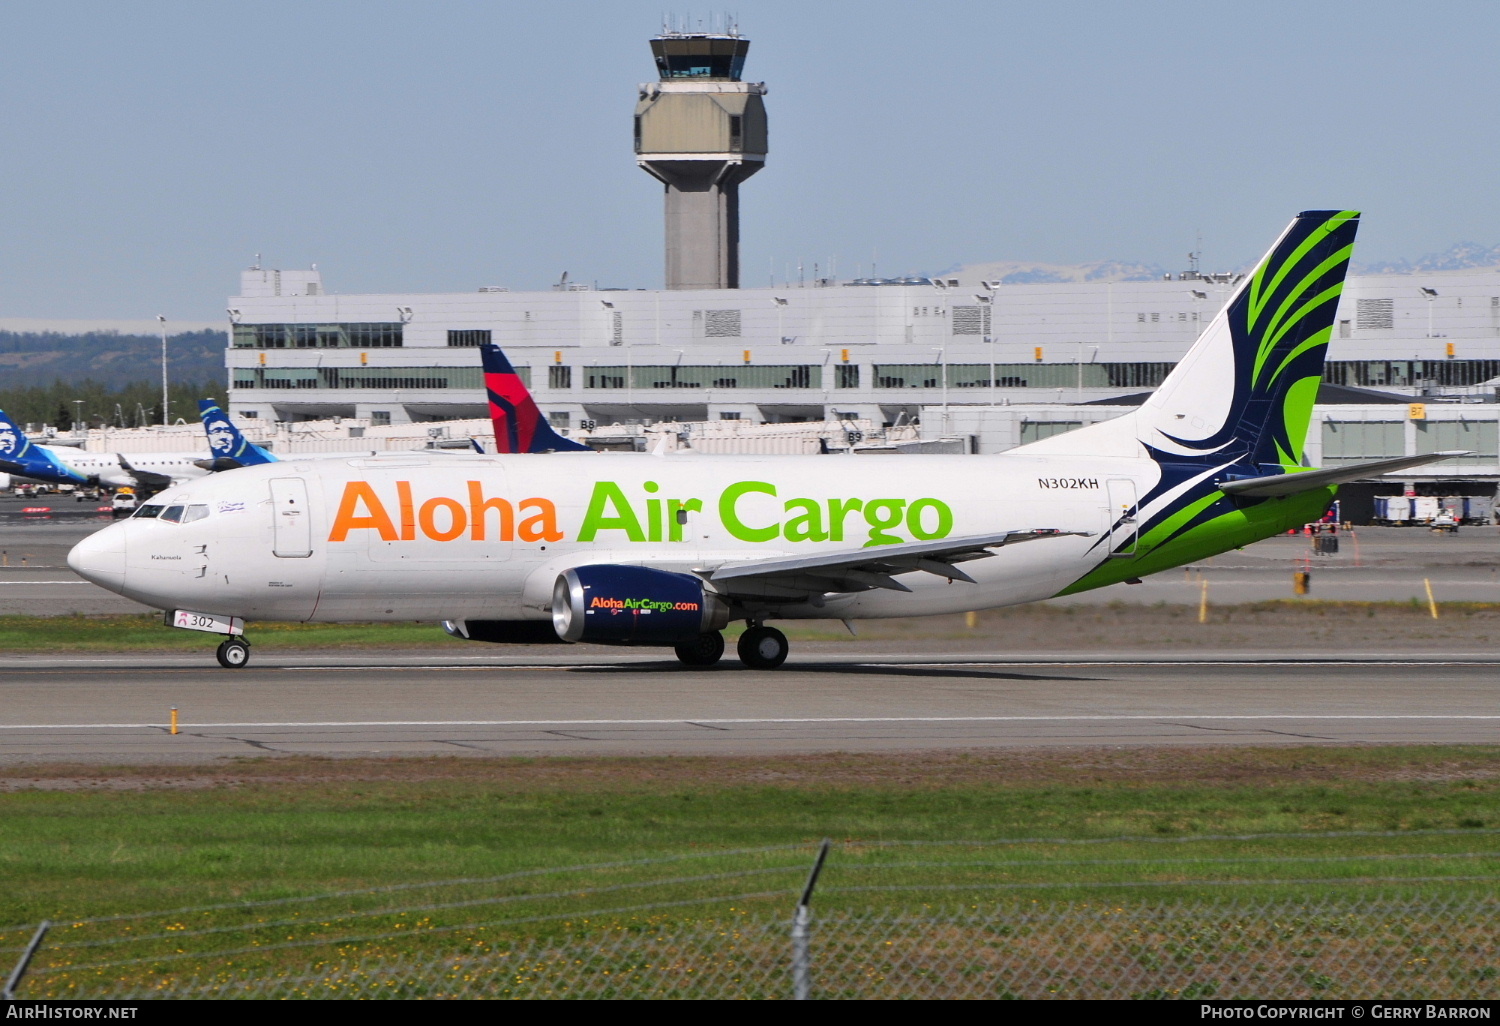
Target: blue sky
151 149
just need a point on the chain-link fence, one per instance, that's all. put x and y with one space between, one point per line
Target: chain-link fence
884 924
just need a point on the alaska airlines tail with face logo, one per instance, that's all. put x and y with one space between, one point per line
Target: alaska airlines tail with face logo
519 425
19 456
228 447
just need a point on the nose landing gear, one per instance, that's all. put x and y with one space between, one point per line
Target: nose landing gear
234 654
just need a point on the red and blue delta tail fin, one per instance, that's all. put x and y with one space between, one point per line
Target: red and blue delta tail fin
519 425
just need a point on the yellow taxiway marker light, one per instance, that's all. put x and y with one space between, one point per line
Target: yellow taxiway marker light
971 619
174 719
1431 602
1203 603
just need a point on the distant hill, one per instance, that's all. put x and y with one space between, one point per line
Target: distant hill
31 360
1021 272
1462 256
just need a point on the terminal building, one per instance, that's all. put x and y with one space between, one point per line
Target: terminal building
965 357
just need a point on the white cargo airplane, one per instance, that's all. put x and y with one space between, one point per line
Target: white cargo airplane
631 550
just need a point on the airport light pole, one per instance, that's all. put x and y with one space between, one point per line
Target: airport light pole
1081 347
1431 294
163 319
942 352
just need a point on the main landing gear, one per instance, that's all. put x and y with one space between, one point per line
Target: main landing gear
704 650
234 654
763 648
759 648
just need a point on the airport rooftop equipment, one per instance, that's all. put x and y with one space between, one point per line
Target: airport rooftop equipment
701 131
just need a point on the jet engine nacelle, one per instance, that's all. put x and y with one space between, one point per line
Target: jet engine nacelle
633 605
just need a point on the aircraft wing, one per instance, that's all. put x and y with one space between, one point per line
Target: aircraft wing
147 478
865 569
1307 480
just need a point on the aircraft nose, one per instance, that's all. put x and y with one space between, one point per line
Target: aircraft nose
100 558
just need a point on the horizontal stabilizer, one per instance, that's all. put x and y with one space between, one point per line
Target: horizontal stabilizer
1308 480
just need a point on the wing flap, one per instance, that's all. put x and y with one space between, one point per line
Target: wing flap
866 569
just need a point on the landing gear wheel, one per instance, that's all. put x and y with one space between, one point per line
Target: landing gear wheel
704 650
763 648
233 654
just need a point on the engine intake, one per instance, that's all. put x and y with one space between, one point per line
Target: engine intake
633 605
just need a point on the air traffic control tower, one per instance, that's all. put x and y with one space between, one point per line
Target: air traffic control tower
701 132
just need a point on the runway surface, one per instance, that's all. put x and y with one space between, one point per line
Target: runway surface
116 709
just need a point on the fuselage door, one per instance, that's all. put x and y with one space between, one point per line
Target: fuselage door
1121 518
292 520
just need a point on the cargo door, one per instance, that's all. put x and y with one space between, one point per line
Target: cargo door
1121 520
291 522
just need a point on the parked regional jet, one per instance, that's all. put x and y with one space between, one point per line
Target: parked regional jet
635 550
61 464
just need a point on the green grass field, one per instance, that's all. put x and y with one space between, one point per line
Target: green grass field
485 851
86 841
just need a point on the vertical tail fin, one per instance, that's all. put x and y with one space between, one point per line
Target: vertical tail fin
15 447
20 456
519 425
1245 391
230 449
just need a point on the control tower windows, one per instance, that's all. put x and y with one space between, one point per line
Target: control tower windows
700 56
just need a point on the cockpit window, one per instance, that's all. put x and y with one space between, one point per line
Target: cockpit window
194 513
148 512
172 514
